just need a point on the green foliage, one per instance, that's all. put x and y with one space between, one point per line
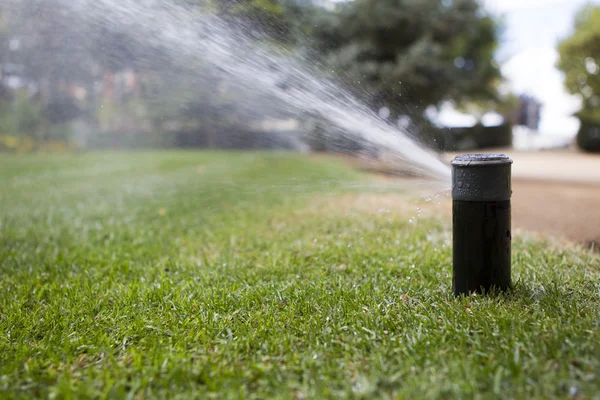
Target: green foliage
21 116
62 133
269 16
398 53
221 275
268 7
413 52
580 61
579 58
4 35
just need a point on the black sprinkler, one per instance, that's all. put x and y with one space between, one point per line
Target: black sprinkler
481 232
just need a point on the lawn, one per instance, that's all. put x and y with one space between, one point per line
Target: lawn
199 275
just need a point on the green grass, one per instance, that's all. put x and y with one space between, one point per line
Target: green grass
195 275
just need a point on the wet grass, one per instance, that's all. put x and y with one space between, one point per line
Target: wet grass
195 275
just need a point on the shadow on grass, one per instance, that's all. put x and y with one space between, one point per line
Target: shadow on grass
547 295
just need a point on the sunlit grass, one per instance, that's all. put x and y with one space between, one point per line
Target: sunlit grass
240 275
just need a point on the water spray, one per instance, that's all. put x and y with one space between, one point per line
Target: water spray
481 192
204 45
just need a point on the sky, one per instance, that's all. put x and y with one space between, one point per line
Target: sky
527 54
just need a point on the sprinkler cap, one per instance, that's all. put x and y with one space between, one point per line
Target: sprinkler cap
481 177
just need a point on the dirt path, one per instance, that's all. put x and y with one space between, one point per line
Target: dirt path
568 166
557 193
567 210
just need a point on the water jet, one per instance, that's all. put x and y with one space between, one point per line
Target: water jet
481 223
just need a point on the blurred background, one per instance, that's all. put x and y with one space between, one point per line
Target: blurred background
459 75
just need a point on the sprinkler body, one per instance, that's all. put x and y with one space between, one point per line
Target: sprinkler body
481 191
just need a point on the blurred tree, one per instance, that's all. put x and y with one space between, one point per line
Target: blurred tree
580 61
397 52
48 49
412 52
283 21
4 50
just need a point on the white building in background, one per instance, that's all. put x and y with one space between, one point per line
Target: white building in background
524 137
449 117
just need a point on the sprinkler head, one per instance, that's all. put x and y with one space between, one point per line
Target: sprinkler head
481 226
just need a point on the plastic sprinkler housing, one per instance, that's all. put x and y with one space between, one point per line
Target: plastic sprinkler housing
481 223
